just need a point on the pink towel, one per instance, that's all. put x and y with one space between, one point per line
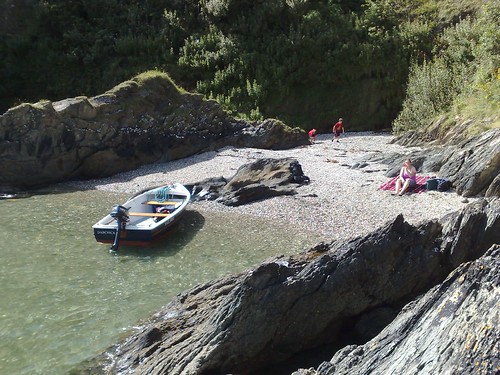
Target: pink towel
420 187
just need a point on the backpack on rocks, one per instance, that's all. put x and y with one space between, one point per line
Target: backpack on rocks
444 184
440 184
297 173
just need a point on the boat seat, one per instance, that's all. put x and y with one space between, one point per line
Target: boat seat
152 214
168 203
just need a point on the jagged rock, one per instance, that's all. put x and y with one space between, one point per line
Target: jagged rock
473 165
494 188
444 131
144 120
452 329
261 179
470 233
311 302
207 189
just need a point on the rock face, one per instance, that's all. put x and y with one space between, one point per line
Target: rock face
452 329
324 299
145 120
262 179
472 165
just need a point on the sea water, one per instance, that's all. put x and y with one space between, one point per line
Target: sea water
65 298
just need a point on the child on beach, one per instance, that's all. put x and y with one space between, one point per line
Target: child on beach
339 125
312 135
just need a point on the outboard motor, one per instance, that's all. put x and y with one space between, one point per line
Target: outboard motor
120 214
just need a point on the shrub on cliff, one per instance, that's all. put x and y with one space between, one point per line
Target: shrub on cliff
462 79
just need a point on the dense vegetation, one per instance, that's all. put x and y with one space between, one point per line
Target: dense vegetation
304 62
461 79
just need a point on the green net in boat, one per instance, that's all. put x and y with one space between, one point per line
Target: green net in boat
162 194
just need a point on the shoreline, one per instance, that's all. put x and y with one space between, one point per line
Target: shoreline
339 203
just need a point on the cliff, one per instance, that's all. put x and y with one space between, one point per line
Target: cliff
141 121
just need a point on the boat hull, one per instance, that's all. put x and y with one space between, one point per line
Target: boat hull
135 237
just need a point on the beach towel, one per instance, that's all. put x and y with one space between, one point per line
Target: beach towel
418 188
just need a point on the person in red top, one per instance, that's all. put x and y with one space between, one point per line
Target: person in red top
339 126
312 135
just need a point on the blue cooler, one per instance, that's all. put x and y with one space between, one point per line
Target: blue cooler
432 184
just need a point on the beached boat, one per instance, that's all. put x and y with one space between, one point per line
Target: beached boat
144 218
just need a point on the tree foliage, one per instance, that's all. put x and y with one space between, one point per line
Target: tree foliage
303 61
464 67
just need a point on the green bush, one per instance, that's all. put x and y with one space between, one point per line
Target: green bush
304 62
431 90
462 77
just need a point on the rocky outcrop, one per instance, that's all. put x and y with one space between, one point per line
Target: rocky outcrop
290 309
452 329
262 179
472 165
144 120
447 130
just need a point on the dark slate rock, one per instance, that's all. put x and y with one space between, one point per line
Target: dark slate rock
452 329
259 180
494 188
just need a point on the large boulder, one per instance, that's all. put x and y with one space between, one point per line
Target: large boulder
294 307
144 120
259 180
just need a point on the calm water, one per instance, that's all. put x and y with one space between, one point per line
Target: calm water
65 298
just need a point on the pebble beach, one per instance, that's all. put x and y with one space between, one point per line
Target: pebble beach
339 203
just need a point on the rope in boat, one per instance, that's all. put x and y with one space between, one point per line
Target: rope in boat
162 194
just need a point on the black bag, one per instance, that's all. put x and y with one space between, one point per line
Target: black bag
297 173
444 184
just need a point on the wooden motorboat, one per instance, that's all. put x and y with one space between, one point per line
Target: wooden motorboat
144 218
